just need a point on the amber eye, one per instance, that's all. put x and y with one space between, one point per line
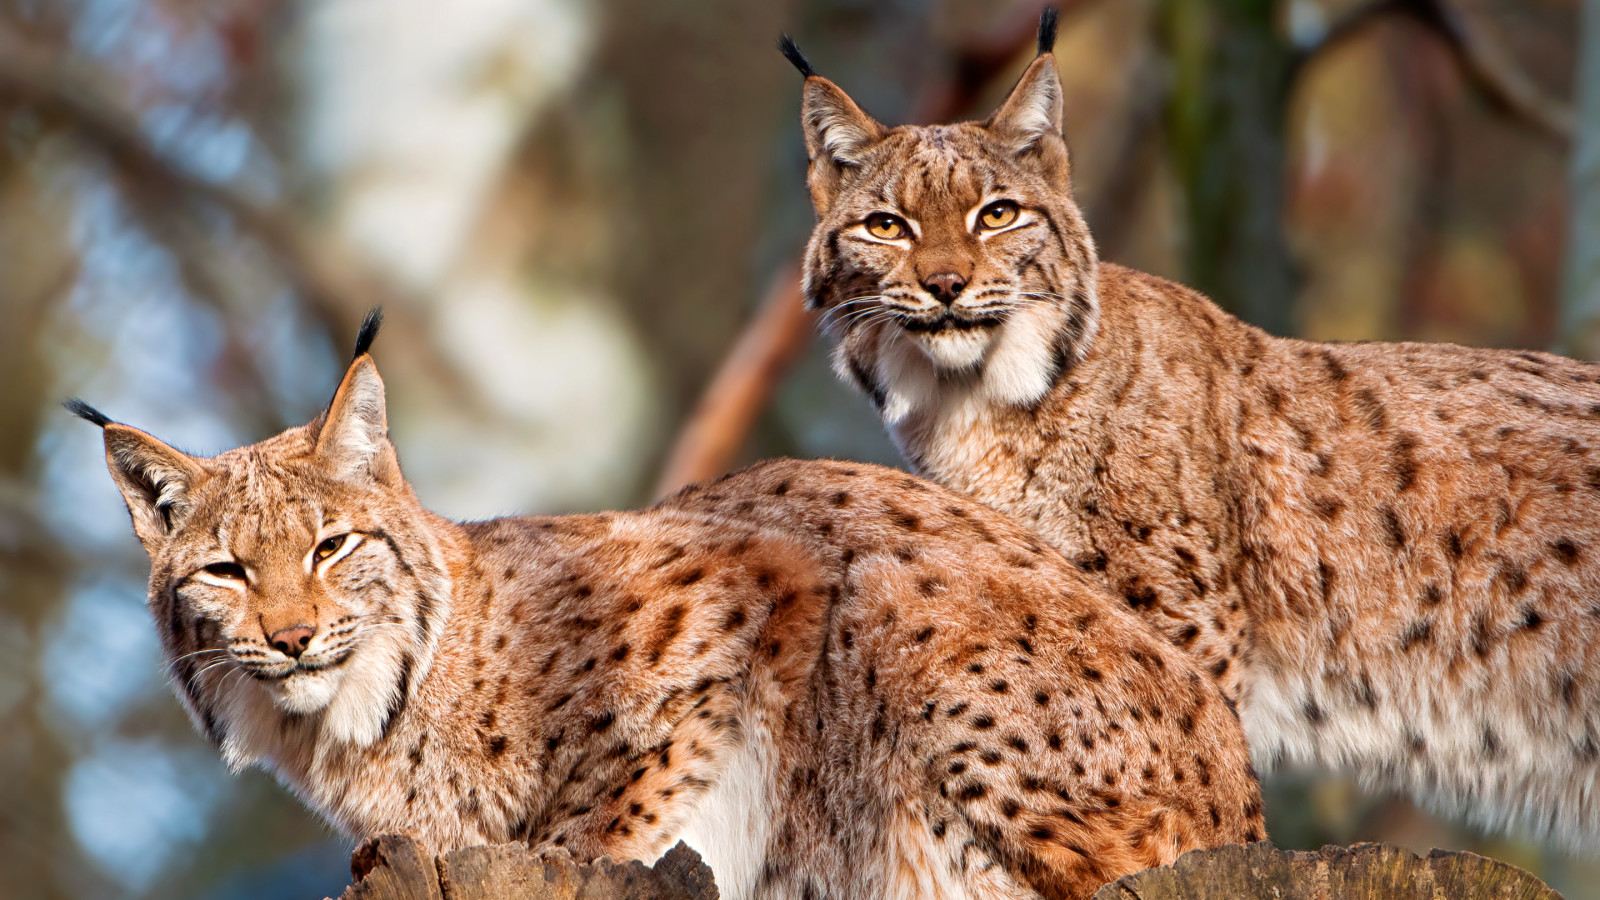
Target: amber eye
229 570
998 214
329 547
886 227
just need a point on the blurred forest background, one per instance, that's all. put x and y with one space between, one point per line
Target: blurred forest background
570 211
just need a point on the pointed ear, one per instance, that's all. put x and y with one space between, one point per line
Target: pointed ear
838 135
1033 109
353 441
836 128
156 481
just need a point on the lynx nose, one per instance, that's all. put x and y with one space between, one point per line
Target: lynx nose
944 286
292 641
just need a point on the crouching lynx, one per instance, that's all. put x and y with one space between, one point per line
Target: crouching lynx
1389 554
831 679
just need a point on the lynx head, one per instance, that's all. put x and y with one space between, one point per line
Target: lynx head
296 579
948 254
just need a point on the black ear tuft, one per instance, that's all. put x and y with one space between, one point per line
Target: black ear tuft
791 51
86 412
368 332
1047 30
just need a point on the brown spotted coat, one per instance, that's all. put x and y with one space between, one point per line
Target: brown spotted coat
1388 554
833 679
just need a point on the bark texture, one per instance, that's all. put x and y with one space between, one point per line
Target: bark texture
394 867
1358 872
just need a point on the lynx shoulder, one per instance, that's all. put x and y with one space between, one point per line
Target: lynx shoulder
1389 554
832 679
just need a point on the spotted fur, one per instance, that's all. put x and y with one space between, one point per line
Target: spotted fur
1388 554
835 680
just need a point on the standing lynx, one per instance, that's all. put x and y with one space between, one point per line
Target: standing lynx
1388 554
833 680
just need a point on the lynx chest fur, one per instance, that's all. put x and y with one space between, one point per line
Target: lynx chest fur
1389 554
833 679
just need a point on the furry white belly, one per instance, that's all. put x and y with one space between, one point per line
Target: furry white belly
1479 750
730 826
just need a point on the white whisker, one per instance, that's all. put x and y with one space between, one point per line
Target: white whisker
847 308
192 679
401 625
865 314
209 666
197 653
869 321
849 322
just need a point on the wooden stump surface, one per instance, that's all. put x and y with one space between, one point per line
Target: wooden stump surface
1358 872
394 867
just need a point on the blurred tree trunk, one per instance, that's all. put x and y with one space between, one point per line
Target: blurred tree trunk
37 269
1580 300
1226 118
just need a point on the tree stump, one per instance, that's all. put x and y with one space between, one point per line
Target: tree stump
395 867
1358 872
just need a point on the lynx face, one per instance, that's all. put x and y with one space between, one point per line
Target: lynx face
948 254
291 580
294 599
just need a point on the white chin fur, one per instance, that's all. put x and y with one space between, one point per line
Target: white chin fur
953 349
371 683
1012 364
306 692
349 704
910 380
1021 368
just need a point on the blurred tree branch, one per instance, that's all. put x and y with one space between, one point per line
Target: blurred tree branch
742 386
1483 60
31 75
338 288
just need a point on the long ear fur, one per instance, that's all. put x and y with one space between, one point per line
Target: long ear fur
354 438
837 130
156 481
1033 109
838 136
